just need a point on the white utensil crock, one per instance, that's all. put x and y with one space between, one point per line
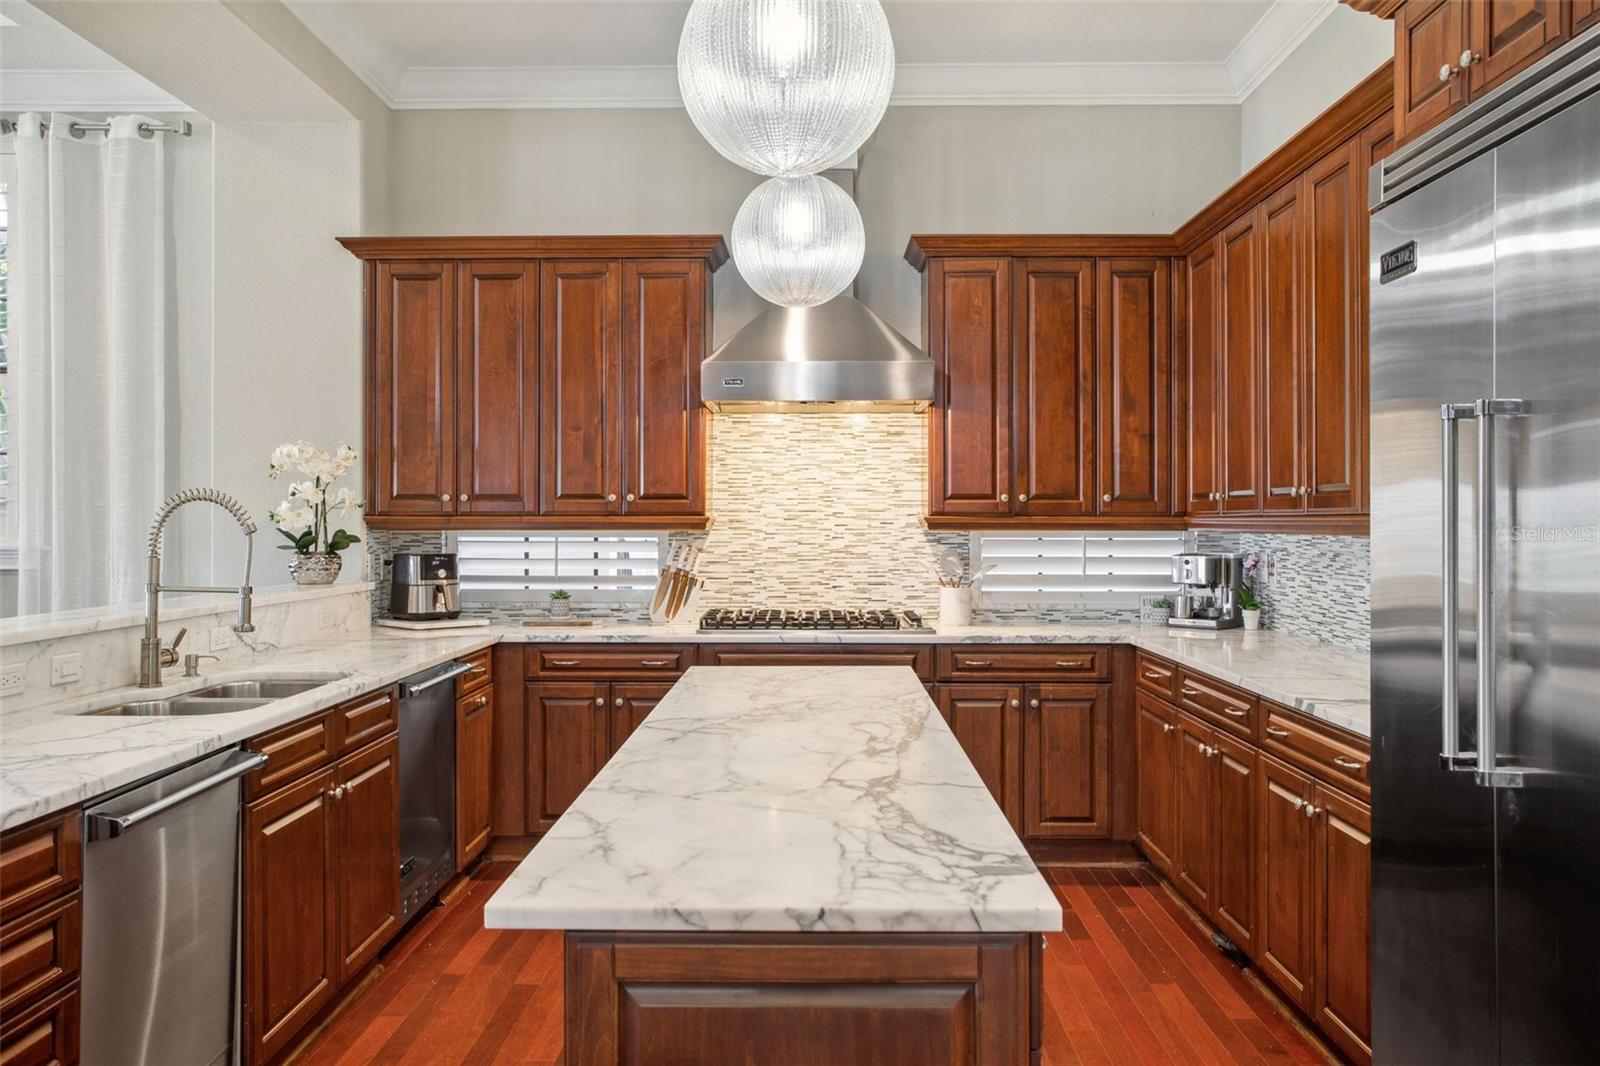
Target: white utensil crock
955 605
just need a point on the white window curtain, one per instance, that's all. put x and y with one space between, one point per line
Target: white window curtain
91 346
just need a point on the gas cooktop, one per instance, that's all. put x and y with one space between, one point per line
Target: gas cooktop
826 618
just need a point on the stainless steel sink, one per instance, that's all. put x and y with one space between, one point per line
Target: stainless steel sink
179 706
268 689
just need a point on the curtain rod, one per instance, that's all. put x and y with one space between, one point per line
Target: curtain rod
183 128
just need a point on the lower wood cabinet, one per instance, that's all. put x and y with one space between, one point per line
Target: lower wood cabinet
45 1034
1286 868
1066 775
1156 733
474 773
631 703
1342 992
1216 826
367 845
987 721
41 940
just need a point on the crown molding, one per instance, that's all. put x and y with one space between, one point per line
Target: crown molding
1280 30
710 248
84 90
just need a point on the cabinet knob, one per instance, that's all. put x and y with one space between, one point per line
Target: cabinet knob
1106 498
1016 703
618 701
445 497
611 497
1005 497
1468 58
1033 703
1311 811
465 497
337 792
1022 497
599 701
1166 727
630 497
1446 72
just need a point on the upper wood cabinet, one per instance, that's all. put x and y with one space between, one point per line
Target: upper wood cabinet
550 381
1202 416
1239 368
1054 399
1449 52
1585 13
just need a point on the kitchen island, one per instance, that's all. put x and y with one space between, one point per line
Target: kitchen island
790 865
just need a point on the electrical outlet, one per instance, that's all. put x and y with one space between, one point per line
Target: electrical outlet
12 680
327 618
65 669
221 638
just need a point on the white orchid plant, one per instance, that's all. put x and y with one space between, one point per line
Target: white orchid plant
304 518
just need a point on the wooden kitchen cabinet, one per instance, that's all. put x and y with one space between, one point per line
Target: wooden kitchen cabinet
1507 36
1234 788
1066 777
552 378
1239 368
411 389
567 743
1342 999
1053 376
987 721
1194 847
474 773
367 847
497 380
631 703
1584 14
580 386
968 333
1283 383
1133 409
1286 876
1158 739
1203 415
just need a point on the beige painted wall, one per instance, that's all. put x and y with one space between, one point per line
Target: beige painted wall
1338 54
933 169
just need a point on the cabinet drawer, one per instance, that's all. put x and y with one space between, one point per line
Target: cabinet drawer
607 660
1325 752
364 720
47 1035
1020 662
40 862
1156 676
1219 704
478 674
917 656
39 952
292 751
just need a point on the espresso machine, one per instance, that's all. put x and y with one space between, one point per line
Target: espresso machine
1208 591
425 586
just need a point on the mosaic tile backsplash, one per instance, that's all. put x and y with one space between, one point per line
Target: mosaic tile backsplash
825 510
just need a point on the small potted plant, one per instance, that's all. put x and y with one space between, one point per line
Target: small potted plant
304 518
1158 611
560 603
1249 602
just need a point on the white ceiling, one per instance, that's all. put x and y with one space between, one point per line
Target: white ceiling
620 53
45 65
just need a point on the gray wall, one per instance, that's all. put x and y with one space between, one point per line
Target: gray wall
927 169
1334 59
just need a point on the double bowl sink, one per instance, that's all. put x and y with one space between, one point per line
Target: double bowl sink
223 698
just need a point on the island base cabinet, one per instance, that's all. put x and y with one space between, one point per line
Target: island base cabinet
796 999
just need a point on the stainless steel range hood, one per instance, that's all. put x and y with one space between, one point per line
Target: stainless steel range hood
836 357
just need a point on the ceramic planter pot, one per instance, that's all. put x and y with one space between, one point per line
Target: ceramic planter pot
560 608
1252 619
321 568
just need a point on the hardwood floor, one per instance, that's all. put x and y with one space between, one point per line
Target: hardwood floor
1131 978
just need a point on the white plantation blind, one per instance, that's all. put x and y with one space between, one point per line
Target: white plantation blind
525 566
1097 568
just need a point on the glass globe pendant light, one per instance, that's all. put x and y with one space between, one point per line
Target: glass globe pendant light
786 87
798 242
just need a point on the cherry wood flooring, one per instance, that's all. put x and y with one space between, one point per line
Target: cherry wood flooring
1131 978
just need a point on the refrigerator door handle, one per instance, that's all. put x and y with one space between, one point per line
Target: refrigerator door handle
1489 774
1450 417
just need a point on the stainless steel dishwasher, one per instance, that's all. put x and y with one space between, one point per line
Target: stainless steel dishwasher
161 918
427 783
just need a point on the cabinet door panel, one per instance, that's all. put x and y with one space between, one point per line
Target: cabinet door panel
474 773
664 313
1067 761
1053 385
1334 438
631 703
1157 735
1584 13
1430 36
566 745
987 720
579 387
1282 367
1285 864
969 337
1194 851
497 381
1343 1002
411 464
291 943
367 818
1238 392
1507 36
1235 900
1132 408
1204 416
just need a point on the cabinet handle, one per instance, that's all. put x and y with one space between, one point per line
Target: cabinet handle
445 497
1069 664
1274 732
618 701
1151 675
478 671
1346 764
483 701
1016 703
563 662
1022 497
655 662
1299 804
630 497
1468 58
1446 72
1311 811
1033 703
465 497
1233 712
337 792
1187 691
976 664
1005 497
611 497
599 701
1106 498
1166 727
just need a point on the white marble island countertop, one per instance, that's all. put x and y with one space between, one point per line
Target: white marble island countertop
783 799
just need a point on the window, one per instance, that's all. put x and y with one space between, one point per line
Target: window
525 566
1101 569
8 388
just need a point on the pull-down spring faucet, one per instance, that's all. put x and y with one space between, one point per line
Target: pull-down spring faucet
152 656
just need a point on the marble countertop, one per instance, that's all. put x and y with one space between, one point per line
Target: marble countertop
53 756
795 799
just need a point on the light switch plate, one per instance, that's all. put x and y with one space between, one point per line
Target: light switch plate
12 680
65 669
221 638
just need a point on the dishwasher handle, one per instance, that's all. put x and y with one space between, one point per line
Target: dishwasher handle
407 690
102 826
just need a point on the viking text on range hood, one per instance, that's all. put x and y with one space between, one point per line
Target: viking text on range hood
838 356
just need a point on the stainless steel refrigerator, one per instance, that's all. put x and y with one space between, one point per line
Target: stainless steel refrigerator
1485 418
